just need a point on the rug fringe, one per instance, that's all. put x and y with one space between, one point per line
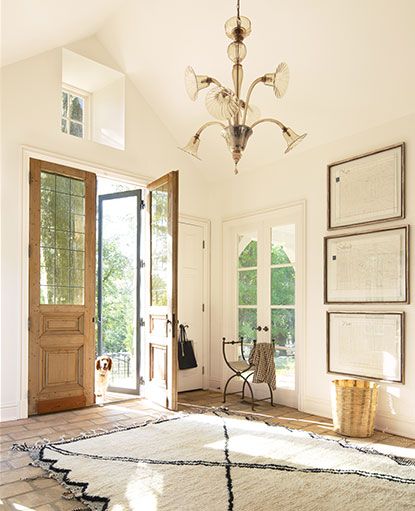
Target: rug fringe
44 442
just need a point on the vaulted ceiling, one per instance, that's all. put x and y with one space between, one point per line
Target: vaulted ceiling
352 63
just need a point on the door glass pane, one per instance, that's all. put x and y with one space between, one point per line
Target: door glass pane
62 249
283 244
119 288
283 332
247 323
159 245
283 286
247 250
247 287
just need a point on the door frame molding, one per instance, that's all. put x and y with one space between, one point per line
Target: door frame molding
204 223
251 217
26 153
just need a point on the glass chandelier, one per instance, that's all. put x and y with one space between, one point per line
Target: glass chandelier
239 115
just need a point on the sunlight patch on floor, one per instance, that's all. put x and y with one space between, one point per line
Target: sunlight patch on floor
144 490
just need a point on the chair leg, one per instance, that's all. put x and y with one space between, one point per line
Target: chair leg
271 395
243 386
226 386
243 390
250 389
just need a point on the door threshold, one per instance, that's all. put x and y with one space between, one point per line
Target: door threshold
116 397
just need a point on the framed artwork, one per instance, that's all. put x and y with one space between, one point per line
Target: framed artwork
366 345
367 188
369 267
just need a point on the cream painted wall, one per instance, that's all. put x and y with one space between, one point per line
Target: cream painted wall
30 116
108 114
303 176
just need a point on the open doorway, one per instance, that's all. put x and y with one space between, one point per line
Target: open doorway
62 295
118 284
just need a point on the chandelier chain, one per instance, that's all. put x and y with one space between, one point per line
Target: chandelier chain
238 9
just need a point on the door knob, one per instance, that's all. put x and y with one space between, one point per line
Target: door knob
266 329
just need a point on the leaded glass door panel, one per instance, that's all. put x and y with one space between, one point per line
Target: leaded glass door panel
62 287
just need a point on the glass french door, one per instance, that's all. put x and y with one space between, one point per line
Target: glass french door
118 287
266 302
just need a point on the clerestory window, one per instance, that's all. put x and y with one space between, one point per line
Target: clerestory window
75 112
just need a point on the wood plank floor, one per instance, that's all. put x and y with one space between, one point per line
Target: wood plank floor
21 490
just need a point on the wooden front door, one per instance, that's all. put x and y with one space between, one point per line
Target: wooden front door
62 287
161 339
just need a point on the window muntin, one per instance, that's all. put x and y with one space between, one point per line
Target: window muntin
74 112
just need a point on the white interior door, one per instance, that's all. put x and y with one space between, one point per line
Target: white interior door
190 299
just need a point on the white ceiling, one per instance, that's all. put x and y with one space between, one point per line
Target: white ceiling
352 63
29 27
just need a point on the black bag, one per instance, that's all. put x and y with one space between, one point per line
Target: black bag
187 359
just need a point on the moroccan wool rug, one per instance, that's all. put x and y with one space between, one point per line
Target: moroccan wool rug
221 463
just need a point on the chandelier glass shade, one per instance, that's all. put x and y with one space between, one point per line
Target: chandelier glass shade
237 117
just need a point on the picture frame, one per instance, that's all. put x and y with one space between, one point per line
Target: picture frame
366 189
367 267
368 345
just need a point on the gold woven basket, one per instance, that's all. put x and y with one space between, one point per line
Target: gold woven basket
354 405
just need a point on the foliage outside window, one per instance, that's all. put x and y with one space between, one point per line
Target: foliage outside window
74 112
159 246
62 239
247 289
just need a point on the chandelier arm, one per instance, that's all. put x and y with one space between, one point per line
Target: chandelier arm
248 95
206 125
213 80
269 119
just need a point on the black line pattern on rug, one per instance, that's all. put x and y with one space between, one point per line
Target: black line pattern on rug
228 467
62 475
236 464
37 453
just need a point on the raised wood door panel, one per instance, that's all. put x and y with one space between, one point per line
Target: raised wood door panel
161 338
62 287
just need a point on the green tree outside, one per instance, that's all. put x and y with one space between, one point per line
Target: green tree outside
282 293
117 304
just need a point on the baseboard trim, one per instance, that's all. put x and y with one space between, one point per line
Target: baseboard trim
316 407
401 425
9 412
215 384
